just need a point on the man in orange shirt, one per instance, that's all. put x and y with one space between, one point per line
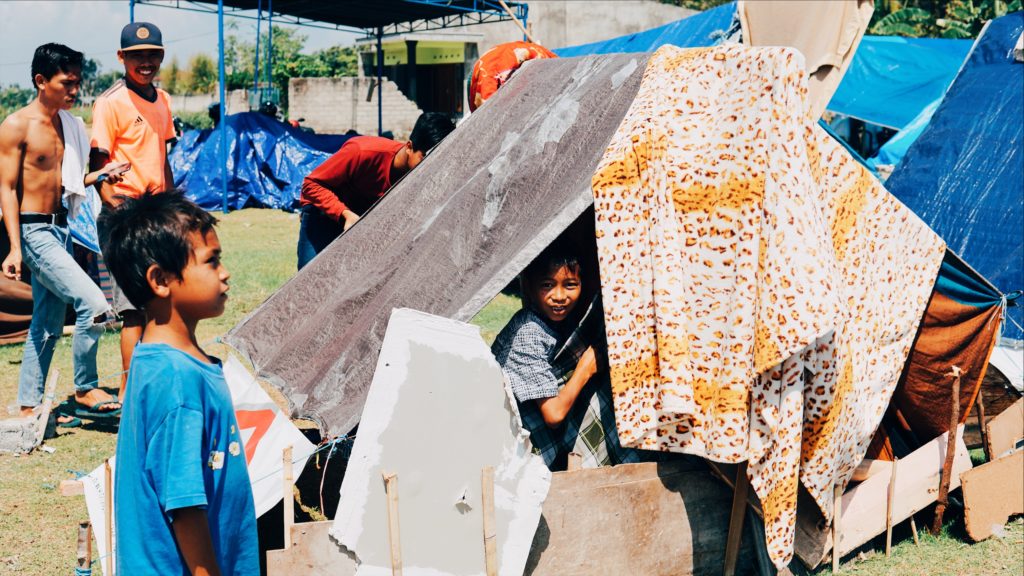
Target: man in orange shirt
131 122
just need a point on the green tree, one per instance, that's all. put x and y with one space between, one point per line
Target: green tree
171 79
203 77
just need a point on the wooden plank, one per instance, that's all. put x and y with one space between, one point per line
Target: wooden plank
487 502
108 515
863 506
1006 429
947 465
288 496
47 407
868 468
837 498
651 518
736 516
992 493
313 552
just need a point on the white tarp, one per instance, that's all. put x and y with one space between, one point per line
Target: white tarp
1009 361
266 431
437 413
94 484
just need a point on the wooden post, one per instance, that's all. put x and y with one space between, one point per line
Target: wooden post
574 463
391 489
287 484
518 23
490 540
108 515
837 513
913 527
947 466
888 508
84 545
739 506
980 404
47 407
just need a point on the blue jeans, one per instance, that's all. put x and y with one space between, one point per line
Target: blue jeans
316 231
57 280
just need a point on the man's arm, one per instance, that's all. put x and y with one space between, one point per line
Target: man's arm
168 175
12 140
555 409
98 160
192 532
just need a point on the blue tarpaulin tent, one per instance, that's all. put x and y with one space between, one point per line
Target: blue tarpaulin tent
965 175
267 161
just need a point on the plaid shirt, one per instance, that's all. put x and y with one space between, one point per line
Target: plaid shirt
537 362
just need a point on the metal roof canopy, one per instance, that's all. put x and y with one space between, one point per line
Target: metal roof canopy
367 16
375 18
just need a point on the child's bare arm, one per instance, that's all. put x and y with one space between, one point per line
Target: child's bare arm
555 409
192 532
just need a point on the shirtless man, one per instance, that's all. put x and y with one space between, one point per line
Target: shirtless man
31 187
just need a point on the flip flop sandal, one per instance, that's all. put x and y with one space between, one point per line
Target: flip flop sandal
74 422
94 413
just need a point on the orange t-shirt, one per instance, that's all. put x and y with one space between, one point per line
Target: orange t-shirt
132 129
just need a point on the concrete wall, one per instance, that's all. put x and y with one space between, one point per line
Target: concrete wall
559 23
237 101
336 105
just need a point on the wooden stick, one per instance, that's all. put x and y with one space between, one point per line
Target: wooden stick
108 515
888 508
47 407
490 540
980 404
947 466
287 485
837 496
913 528
391 489
575 462
739 506
84 544
518 23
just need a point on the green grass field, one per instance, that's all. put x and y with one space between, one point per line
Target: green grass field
38 527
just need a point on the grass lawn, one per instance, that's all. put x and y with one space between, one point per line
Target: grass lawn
38 527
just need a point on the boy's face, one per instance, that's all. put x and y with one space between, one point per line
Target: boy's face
202 291
556 293
141 66
61 89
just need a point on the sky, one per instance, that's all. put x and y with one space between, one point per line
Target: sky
94 27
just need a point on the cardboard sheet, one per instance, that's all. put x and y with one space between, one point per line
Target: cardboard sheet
436 414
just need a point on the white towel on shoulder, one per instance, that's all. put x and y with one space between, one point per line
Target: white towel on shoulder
76 160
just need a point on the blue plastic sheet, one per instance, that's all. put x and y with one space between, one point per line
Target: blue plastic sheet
706 28
892 79
267 161
965 175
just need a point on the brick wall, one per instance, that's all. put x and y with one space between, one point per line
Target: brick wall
336 105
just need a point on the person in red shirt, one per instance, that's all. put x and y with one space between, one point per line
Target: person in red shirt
339 191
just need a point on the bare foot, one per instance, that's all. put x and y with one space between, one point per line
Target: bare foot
95 398
30 411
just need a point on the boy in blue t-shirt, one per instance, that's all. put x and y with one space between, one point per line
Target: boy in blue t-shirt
182 495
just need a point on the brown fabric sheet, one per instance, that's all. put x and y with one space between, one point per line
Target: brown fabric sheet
15 303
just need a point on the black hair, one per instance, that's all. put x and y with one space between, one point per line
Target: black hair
560 253
52 58
430 128
151 229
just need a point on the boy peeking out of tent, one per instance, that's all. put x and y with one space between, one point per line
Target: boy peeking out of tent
552 353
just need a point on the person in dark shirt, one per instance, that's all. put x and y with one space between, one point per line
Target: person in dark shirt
339 191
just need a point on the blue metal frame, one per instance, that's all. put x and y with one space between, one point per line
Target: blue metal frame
223 111
256 63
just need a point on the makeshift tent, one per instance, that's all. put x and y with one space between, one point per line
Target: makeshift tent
267 161
448 237
964 175
15 303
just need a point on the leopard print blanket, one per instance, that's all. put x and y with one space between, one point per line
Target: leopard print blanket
762 289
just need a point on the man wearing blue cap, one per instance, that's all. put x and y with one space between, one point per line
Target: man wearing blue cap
131 122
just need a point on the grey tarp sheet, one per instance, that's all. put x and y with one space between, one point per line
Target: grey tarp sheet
448 237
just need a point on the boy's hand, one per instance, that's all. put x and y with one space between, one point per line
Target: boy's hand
587 364
12 265
192 532
350 218
115 171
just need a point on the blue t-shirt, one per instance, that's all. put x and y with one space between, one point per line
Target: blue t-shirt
179 447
